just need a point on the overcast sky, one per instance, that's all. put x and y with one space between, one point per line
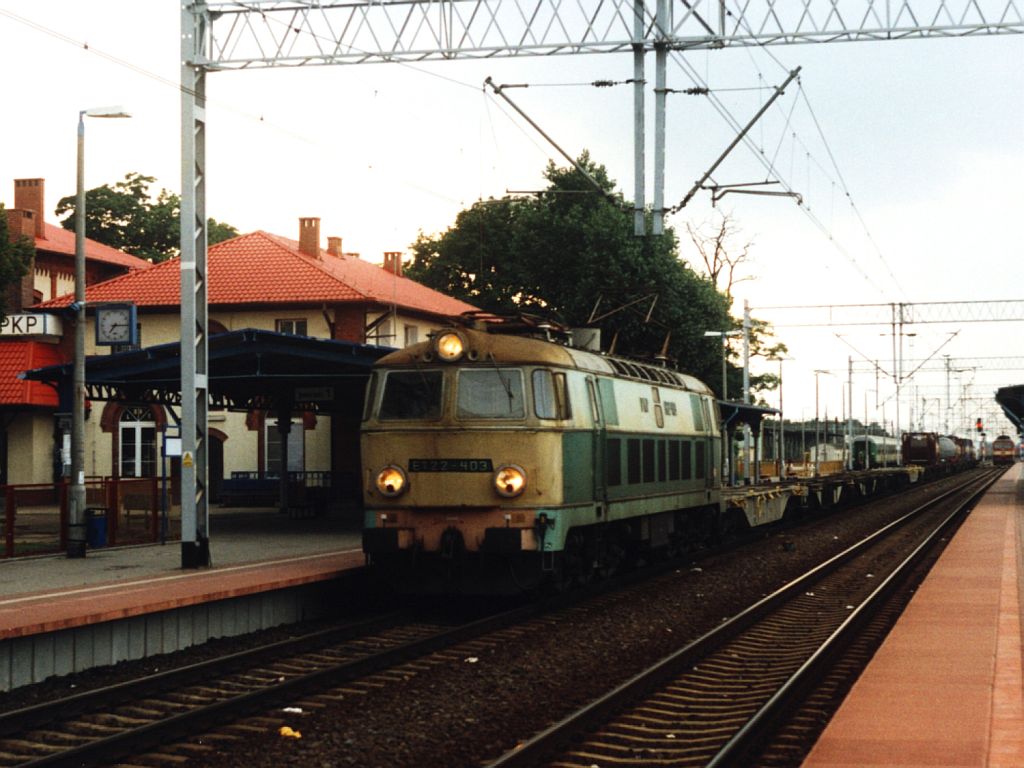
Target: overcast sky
908 156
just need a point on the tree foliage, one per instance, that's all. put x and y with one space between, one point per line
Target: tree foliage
125 216
568 250
15 258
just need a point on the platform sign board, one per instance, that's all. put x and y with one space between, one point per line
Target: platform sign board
31 325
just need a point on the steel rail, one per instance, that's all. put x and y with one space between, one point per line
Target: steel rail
44 713
760 727
556 738
202 718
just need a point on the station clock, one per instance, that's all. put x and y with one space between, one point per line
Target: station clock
116 324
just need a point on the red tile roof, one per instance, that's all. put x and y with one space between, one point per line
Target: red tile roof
260 268
18 356
60 240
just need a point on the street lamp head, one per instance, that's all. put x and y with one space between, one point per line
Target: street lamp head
117 111
722 333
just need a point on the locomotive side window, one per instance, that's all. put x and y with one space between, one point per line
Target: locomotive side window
371 393
611 411
491 393
687 460
633 460
673 460
698 413
550 395
411 395
614 459
648 461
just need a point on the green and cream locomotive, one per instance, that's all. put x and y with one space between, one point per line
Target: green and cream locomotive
494 461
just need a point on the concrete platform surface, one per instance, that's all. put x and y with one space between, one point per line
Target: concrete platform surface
945 688
251 551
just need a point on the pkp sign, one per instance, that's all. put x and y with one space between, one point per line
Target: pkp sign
31 325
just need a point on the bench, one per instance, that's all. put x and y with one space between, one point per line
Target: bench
249 492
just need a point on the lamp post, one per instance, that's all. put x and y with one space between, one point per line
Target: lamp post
817 439
726 442
723 334
76 517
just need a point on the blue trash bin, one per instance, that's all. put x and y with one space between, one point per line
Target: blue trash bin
96 527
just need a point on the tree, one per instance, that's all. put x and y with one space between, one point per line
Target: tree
124 216
569 250
15 258
721 258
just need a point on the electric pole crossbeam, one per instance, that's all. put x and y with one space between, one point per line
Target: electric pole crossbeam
265 33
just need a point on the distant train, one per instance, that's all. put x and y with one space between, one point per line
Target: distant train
873 451
496 461
1003 450
935 451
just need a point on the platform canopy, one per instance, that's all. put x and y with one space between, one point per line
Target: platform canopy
249 369
1011 400
734 414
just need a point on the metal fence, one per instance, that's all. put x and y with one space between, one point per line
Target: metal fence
118 511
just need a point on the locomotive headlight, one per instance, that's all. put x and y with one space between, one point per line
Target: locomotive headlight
450 346
509 480
391 481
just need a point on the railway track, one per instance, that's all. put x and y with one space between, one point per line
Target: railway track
128 719
744 693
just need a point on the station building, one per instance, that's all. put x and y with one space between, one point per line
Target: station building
256 281
30 441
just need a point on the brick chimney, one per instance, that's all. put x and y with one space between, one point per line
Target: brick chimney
334 246
309 237
393 262
21 223
28 196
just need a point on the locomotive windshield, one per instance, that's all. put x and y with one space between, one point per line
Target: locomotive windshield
411 395
491 393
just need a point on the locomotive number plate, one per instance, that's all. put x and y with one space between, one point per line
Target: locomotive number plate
450 465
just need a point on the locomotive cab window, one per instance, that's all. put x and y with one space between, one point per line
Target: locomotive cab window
411 395
491 393
550 395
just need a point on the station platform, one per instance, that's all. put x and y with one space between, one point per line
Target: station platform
252 551
945 688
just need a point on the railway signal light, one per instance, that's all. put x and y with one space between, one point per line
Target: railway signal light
979 426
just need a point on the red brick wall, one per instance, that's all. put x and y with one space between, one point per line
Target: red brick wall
350 323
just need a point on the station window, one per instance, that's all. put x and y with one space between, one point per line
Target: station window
293 327
138 443
296 447
412 335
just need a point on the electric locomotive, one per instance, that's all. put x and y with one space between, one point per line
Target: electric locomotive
495 461
1003 450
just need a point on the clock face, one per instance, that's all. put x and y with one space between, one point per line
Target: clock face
113 325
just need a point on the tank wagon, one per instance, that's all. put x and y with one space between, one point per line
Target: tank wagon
494 461
920 449
1003 450
873 451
